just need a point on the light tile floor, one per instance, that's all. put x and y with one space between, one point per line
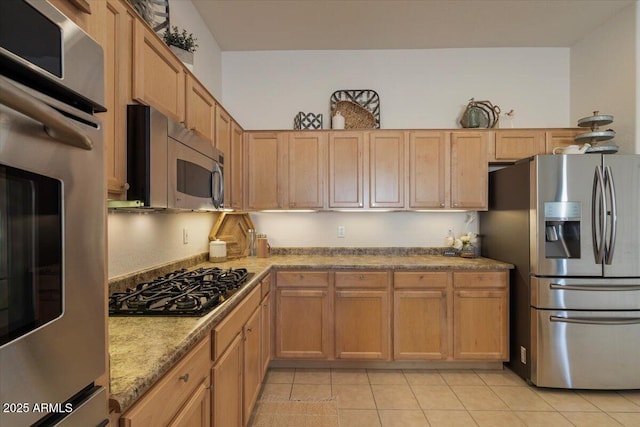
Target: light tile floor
412 398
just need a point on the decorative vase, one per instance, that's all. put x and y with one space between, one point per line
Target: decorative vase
184 55
468 251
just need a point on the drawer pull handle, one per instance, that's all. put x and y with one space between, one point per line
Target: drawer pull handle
184 377
249 329
301 276
361 277
596 321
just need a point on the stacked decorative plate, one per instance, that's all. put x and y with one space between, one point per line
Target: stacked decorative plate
596 136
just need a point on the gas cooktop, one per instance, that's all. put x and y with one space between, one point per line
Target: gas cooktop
180 293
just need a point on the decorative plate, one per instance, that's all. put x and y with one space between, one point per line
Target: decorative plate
366 98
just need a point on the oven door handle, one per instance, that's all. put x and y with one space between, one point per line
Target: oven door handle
55 124
596 320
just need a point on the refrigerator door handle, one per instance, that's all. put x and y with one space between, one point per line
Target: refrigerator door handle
598 211
592 288
596 320
608 179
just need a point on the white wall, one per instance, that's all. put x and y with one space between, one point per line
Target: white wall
207 61
137 241
417 88
365 229
605 76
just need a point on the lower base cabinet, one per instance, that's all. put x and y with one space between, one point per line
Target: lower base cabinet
180 398
227 386
252 372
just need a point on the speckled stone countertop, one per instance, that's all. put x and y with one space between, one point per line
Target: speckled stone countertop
143 349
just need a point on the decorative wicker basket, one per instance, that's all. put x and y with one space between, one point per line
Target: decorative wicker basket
355 116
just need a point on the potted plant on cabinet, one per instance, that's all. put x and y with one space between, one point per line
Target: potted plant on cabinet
182 44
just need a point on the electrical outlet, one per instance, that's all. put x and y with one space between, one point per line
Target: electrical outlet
523 355
185 236
341 231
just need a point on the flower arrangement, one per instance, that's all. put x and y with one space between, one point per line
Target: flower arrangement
464 243
180 40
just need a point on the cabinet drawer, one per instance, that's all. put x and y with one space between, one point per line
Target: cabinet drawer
165 399
302 279
420 279
362 279
480 279
227 330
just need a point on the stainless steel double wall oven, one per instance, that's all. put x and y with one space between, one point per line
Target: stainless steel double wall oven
52 220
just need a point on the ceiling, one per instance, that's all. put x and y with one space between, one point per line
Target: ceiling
242 25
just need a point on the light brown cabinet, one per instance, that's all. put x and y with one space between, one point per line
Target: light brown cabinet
469 170
421 315
265 325
118 22
227 386
386 169
515 144
303 315
428 175
480 307
252 369
362 315
560 138
196 412
199 109
346 169
159 76
234 168
264 154
306 160
178 395
223 142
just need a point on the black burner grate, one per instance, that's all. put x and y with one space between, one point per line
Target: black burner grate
179 293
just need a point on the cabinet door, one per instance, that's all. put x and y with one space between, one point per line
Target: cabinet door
118 22
252 363
346 169
420 325
362 324
265 330
480 324
469 170
302 324
264 170
196 412
223 143
428 170
561 138
199 109
386 169
227 387
307 160
159 77
512 145
235 168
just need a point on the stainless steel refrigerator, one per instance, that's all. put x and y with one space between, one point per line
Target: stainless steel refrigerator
571 226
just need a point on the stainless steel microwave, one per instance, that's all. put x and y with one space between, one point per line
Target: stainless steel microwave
170 167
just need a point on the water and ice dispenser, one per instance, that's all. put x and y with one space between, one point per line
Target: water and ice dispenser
562 229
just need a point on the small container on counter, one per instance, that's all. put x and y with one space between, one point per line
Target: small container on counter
262 247
217 251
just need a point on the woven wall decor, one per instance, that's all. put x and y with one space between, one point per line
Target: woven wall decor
307 121
355 116
366 98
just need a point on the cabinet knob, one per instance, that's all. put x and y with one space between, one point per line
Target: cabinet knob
361 277
442 205
125 186
301 276
184 377
249 329
455 205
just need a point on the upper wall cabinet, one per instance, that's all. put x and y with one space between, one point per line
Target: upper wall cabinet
306 169
514 144
118 24
199 109
159 76
469 170
346 169
235 176
264 157
428 170
386 169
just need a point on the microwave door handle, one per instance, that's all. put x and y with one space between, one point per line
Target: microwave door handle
608 179
55 124
217 194
597 208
